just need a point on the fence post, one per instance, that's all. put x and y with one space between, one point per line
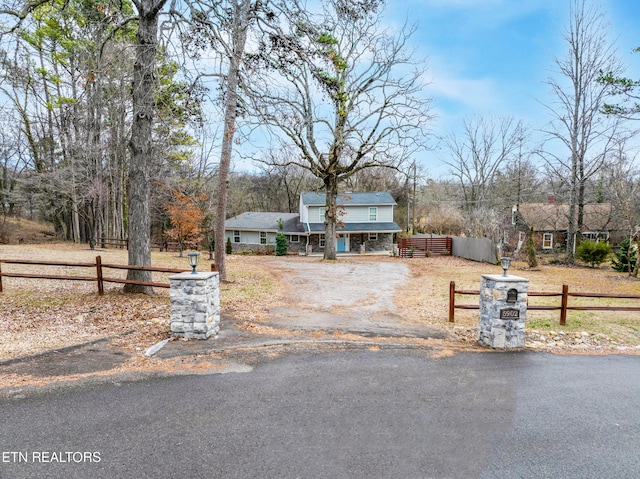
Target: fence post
99 273
563 308
452 301
0 276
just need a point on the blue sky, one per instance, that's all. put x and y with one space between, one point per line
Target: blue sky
492 57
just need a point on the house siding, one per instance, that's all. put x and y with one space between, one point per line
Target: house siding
350 214
251 237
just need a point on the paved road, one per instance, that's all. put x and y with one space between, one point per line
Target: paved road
385 414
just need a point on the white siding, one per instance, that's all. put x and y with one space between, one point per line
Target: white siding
314 214
251 237
303 210
350 214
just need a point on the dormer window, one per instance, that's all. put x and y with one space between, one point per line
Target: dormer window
373 214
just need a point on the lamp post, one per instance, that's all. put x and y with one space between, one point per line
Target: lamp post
193 261
505 262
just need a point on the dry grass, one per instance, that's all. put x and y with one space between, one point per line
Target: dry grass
428 295
37 315
17 230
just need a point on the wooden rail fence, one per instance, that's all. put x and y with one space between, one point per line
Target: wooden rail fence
563 307
124 243
418 247
98 266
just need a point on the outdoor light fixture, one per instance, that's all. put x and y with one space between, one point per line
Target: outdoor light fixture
505 262
193 261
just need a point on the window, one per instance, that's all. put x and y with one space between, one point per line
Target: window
321 215
236 236
547 240
294 238
373 236
596 235
263 237
373 214
322 240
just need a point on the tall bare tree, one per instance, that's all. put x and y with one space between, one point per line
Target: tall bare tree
476 156
344 91
584 134
223 26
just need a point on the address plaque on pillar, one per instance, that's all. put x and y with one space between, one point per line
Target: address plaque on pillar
510 313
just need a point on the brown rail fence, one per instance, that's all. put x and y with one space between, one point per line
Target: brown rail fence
563 307
418 247
124 243
98 267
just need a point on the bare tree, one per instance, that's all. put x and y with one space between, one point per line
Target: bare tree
345 92
624 178
223 26
584 134
486 145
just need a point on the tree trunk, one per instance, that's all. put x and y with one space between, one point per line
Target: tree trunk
241 23
331 217
139 185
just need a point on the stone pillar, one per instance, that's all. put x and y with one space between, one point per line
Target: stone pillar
503 311
195 304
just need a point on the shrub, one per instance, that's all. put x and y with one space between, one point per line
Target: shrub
624 259
593 252
281 244
228 248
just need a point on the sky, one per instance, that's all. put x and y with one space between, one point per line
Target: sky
492 57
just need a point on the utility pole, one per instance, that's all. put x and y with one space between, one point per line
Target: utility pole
413 211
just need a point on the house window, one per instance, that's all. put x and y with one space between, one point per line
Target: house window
322 240
321 215
373 214
373 236
263 237
596 235
236 236
294 238
547 240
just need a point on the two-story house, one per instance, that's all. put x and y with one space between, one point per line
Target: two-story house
365 224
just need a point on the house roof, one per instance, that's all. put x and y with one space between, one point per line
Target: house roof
386 227
373 198
254 221
554 217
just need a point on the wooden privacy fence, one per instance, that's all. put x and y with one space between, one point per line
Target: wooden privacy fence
563 307
418 247
98 267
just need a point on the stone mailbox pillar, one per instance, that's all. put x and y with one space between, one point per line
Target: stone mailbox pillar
503 311
195 304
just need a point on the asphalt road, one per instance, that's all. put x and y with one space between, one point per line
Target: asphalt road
385 414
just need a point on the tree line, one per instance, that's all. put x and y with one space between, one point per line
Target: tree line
118 114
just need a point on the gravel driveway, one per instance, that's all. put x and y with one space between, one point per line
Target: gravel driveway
353 295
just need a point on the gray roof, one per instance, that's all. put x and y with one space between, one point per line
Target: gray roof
386 227
257 221
374 198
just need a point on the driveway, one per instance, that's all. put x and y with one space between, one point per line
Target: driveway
350 296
